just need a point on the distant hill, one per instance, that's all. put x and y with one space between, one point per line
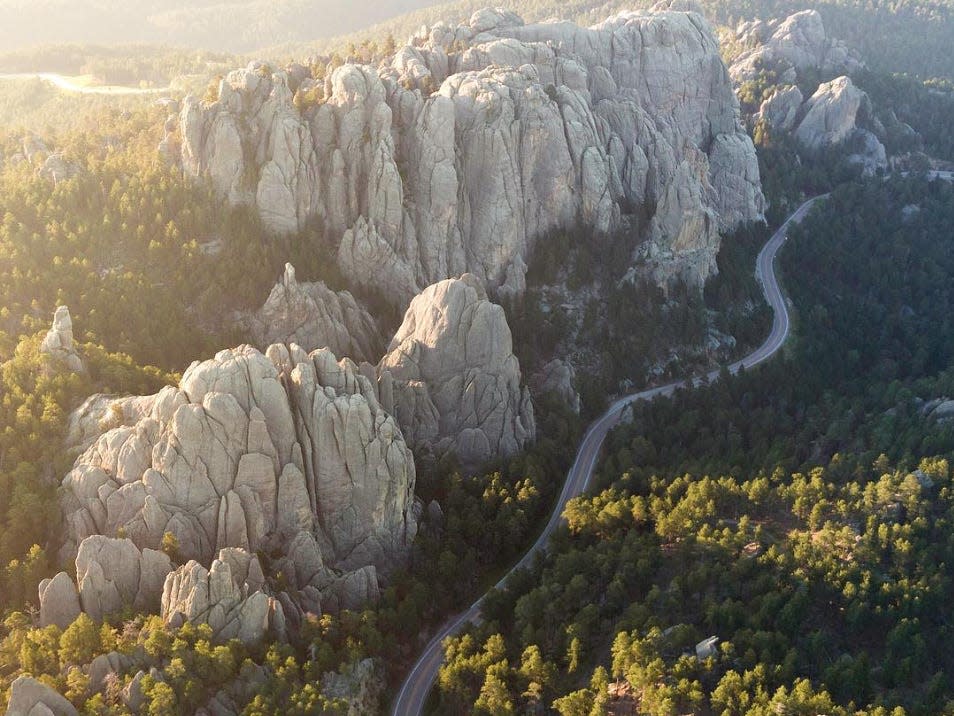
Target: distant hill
221 25
908 36
911 36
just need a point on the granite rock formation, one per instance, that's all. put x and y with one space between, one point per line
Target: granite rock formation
312 316
29 697
288 452
59 601
228 597
111 574
451 379
789 47
57 347
840 114
473 142
557 379
781 110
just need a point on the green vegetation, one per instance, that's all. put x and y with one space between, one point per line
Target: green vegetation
926 107
124 64
34 405
150 262
140 253
801 513
487 519
35 105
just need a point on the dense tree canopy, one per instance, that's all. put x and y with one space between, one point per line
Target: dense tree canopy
799 513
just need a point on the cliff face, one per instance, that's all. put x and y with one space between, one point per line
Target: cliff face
531 128
287 452
312 316
451 379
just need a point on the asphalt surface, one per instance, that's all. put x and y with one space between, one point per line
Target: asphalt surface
416 687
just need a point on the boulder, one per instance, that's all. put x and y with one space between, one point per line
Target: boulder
59 601
780 110
359 685
557 379
132 695
29 697
943 410
707 648
57 168
451 379
106 667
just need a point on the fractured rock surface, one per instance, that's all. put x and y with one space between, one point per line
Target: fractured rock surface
789 47
57 346
533 128
59 601
228 597
312 316
558 379
451 379
248 452
29 697
839 114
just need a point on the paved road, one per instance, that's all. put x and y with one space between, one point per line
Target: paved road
68 85
417 685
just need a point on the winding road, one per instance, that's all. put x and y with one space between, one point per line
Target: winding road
416 687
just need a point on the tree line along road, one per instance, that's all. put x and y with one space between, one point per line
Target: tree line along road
417 685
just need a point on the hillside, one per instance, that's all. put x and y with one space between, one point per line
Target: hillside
909 37
224 25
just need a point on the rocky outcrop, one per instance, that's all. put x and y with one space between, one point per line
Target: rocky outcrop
251 451
451 379
838 114
780 111
29 697
107 667
59 601
113 574
57 168
228 597
359 685
558 380
831 114
533 128
691 225
311 315
789 47
57 347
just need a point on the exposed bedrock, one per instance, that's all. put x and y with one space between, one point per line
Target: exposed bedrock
532 128
273 452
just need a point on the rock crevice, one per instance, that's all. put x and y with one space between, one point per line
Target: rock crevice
533 128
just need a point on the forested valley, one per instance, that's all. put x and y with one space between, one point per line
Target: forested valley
800 512
778 542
